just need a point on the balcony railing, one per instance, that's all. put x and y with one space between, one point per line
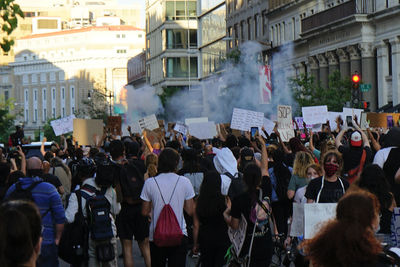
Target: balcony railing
330 15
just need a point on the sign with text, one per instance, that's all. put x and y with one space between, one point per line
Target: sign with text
315 114
315 215
181 128
285 123
114 124
63 126
203 130
351 112
395 227
268 126
264 74
149 122
85 130
238 236
243 119
196 120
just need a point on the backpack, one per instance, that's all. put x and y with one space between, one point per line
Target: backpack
23 193
237 186
168 232
131 181
73 246
98 213
281 188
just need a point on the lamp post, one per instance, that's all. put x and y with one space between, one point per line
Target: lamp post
110 95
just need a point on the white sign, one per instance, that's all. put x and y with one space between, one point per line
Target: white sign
149 123
363 120
203 130
395 227
264 74
351 112
332 119
315 215
196 120
243 119
285 123
64 125
315 114
268 126
238 236
297 226
181 128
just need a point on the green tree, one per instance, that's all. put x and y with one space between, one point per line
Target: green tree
9 12
308 92
168 92
6 119
95 108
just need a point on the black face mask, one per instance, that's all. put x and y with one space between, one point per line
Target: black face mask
35 172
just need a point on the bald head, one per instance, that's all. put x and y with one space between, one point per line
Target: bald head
34 163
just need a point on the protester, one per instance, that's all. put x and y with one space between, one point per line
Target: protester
151 163
61 170
226 165
167 188
210 231
299 177
20 231
312 171
51 209
349 239
330 187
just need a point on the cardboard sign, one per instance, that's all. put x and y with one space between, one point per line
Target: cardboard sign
181 128
243 119
84 130
285 124
114 124
380 120
297 226
203 130
149 122
315 114
268 126
196 120
238 236
63 126
315 215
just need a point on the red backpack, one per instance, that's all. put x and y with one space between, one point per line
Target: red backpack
168 232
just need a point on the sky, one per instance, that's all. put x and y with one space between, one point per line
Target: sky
127 2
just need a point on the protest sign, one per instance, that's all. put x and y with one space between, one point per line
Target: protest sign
315 114
243 119
351 112
315 215
332 116
203 130
380 120
297 226
85 130
114 124
196 120
181 128
285 123
363 121
268 125
149 122
395 227
63 125
238 236
299 121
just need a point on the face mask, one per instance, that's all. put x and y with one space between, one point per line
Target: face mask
330 169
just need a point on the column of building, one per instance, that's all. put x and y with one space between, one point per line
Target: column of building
368 73
395 43
344 62
383 72
323 70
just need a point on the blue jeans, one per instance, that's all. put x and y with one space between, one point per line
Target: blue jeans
48 256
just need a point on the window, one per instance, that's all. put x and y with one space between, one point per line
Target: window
390 61
26 115
34 78
236 29
44 94
249 29
63 112
121 51
35 95
54 113
54 93
264 23
25 79
140 36
52 76
6 96
72 92
118 36
178 67
123 36
35 120
181 10
44 114
256 25
178 38
26 96
294 28
43 77
62 93
242 23
73 110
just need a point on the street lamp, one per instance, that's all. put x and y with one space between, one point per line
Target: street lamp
110 96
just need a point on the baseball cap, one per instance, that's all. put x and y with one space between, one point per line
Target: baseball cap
246 155
356 139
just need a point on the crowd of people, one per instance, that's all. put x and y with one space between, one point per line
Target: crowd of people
178 195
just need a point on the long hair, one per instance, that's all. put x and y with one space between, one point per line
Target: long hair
151 164
296 145
210 202
301 161
349 239
252 178
333 153
282 172
373 179
191 161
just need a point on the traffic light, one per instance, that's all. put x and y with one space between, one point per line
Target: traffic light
355 92
365 105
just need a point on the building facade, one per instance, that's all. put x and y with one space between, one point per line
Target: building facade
171 43
54 72
137 70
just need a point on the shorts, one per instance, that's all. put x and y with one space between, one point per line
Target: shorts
130 222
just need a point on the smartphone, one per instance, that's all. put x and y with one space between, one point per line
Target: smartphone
390 122
349 121
254 131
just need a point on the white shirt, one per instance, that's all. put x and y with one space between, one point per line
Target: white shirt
166 182
382 155
110 195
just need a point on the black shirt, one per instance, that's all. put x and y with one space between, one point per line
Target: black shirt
330 193
52 179
352 156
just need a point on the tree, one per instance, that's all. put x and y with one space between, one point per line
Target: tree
6 119
9 12
95 108
307 92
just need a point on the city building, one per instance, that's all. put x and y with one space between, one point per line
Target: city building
137 70
171 43
211 33
54 72
6 83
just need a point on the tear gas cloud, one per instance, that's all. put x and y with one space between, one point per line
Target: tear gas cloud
215 98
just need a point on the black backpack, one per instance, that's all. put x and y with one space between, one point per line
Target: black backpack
98 213
73 246
237 186
131 180
23 193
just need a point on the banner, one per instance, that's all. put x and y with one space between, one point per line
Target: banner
63 126
285 123
264 73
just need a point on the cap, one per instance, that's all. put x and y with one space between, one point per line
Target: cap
246 154
356 139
